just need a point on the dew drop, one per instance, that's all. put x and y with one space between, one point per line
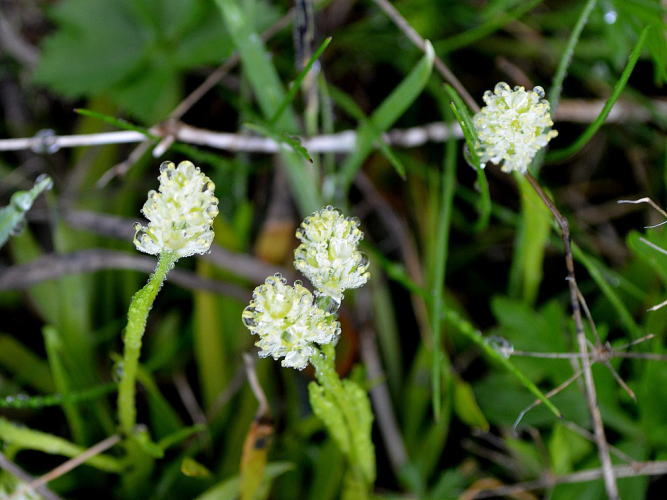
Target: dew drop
539 91
610 16
45 141
44 181
327 304
501 87
21 201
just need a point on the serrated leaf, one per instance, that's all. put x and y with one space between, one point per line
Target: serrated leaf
329 413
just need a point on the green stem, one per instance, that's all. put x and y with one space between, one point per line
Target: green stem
326 375
136 325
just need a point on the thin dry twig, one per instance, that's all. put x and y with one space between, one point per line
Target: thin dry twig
549 481
21 475
416 38
589 383
189 399
52 266
575 110
384 410
67 466
263 410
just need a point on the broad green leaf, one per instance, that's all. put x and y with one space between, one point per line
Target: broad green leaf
230 488
466 407
138 53
531 241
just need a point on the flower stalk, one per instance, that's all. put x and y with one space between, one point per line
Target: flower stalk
137 316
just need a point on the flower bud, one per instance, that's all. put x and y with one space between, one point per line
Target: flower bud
288 322
513 126
180 215
328 255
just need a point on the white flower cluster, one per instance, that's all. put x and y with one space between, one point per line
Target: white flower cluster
288 322
329 253
513 126
180 214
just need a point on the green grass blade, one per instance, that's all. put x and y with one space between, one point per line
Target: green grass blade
296 85
351 108
385 116
24 365
485 29
54 351
566 58
464 119
116 122
590 131
12 216
594 270
29 439
73 397
467 329
291 141
440 253
474 335
270 94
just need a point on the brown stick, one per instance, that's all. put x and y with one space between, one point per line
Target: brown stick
65 467
589 383
549 481
416 38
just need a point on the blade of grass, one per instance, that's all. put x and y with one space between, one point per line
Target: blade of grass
593 268
270 94
54 350
441 251
462 115
296 85
566 58
29 439
385 116
474 335
36 402
25 365
351 108
590 131
494 24
467 329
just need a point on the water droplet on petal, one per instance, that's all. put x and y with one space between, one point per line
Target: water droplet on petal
328 304
539 91
501 87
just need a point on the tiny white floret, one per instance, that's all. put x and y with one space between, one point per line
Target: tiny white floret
288 323
329 253
513 126
180 215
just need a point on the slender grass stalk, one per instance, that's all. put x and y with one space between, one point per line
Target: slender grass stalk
136 325
564 63
590 131
447 186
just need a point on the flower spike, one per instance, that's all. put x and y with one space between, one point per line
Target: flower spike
288 323
180 215
513 126
328 255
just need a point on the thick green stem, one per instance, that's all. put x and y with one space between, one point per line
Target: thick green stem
326 375
134 331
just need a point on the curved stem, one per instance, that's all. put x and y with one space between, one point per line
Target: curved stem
141 304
